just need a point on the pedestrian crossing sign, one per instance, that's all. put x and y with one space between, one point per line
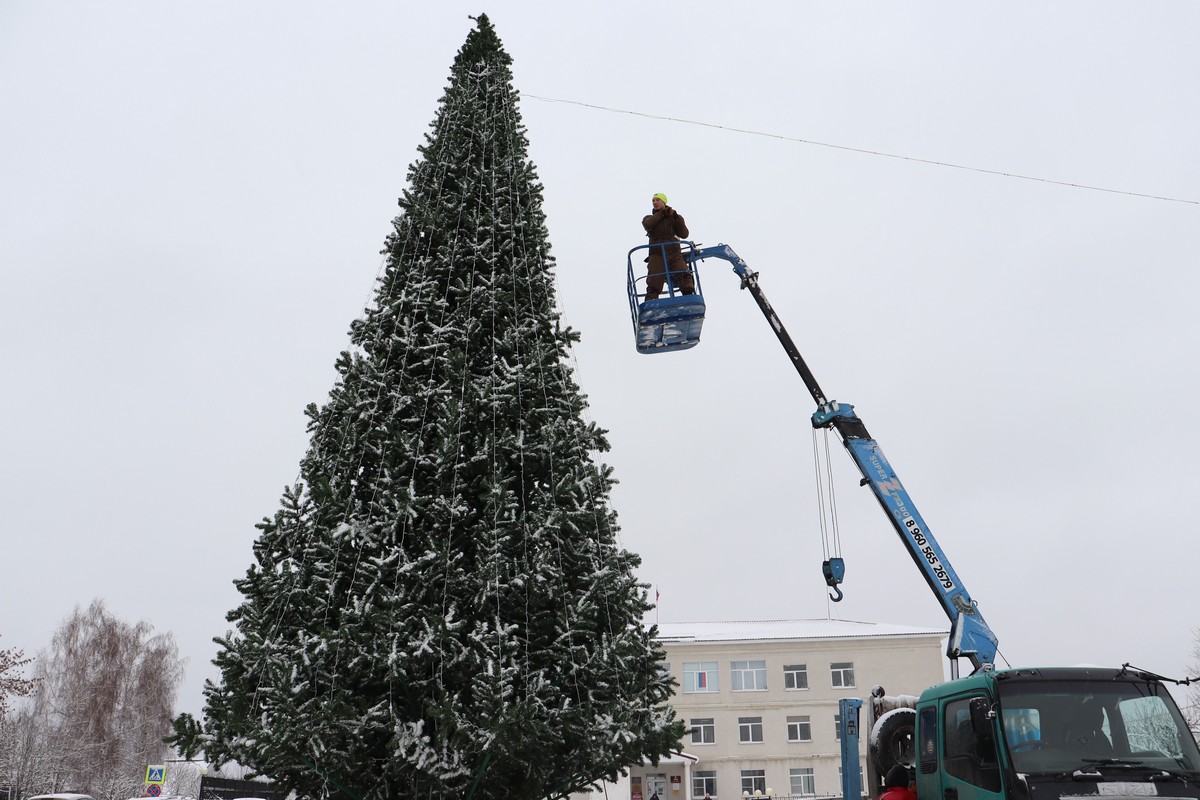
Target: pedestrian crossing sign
156 773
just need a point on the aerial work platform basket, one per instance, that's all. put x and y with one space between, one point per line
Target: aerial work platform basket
673 320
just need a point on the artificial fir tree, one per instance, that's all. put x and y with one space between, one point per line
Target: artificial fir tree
440 609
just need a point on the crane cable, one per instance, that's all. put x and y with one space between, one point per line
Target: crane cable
833 567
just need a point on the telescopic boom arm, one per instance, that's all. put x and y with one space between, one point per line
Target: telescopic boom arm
970 636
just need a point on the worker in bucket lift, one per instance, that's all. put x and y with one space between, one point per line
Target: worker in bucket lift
663 225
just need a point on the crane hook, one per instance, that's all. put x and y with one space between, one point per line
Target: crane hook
834 570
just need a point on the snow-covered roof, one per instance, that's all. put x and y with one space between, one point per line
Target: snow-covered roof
757 630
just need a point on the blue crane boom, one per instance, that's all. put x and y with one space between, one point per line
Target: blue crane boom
1045 733
970 636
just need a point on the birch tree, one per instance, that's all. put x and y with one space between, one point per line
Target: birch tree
100 710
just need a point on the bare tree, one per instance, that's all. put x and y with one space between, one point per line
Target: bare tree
1191 711
100 711
183 778
27 765
11 683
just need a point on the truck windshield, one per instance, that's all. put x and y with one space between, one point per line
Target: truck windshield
1065 725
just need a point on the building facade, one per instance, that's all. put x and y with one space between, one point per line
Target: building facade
760 701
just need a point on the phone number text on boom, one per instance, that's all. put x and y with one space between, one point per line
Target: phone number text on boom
926 550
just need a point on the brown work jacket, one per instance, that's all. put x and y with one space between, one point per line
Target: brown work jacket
662 228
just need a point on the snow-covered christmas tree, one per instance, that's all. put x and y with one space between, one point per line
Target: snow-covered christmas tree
440 608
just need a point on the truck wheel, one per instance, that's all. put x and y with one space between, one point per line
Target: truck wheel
893 739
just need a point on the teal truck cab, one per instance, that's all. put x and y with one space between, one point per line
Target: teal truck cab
1052 734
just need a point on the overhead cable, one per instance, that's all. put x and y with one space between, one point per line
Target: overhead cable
862 150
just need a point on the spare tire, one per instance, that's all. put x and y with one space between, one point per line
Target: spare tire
893 740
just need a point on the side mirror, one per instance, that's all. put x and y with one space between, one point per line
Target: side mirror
981 718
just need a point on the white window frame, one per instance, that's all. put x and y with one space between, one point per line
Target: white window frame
754 780
790 673
841 674
703 725
704 782
755 671
797 726
862 780
711 673
748 727
807 780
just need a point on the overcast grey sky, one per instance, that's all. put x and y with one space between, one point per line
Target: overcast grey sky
194 195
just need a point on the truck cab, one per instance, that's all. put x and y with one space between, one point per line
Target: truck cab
1054 733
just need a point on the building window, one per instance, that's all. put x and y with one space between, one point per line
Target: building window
748 676
862 786
799 729
755 780
837 727
704 783
700 676
795 676
803 782
842 674
750 730
704 731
